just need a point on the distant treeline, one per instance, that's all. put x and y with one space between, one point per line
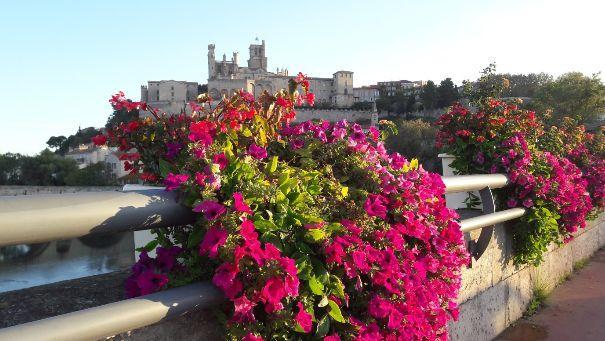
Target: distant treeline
49 169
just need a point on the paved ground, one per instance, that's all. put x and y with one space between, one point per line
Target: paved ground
575 310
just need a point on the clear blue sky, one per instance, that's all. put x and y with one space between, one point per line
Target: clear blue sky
61 60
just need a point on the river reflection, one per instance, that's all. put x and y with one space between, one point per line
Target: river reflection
25 266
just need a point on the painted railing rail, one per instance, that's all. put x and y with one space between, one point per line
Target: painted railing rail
41 218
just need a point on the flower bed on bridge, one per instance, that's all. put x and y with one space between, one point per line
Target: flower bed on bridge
558 174
311 230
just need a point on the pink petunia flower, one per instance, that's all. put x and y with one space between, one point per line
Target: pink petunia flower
211 209
214 238
174 181
257 152
239 204
303 318
375 207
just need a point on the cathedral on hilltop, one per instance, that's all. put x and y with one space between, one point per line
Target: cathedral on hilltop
226 76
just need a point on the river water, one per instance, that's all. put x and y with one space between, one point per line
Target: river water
25 266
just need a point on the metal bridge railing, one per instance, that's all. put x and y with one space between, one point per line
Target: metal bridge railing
41 218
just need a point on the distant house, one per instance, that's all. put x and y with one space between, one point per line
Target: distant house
366 93
89 154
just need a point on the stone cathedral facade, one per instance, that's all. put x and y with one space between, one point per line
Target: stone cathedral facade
226 76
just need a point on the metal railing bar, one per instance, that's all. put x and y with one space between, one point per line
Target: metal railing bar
114 318
41 218
475 182
481 221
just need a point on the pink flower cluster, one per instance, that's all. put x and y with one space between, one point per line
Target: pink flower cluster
563 186
151 274
406 274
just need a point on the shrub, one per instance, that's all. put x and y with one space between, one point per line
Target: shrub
501 138
311 231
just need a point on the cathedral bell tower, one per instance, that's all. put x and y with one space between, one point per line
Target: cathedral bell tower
211 62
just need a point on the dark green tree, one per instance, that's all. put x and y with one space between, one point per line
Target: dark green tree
447 93
56 141
410 106
45 169
93 175
9 168
121 116
416 139
571 95
428 96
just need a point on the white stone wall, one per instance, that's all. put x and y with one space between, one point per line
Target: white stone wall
332 115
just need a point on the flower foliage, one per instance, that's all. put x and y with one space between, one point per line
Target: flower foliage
310 230
559 184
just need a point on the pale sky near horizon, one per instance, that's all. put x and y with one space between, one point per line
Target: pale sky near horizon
61 60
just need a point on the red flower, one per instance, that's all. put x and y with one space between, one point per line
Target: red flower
212 209
239 204
304 319
99 140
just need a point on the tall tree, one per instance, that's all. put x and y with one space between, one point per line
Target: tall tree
429 95
121 116
572 95
447 93
56 141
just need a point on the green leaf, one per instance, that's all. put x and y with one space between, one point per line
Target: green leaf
265 225
149 247
335 312
323 302
166 167
315 235
315 285
195 237
339 288
272 166
323 327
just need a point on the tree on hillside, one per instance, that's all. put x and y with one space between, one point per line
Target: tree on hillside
416 139
410 106
56 141
521 85
45 169
9 168
447 93
93 175
572 95
121 116
429 95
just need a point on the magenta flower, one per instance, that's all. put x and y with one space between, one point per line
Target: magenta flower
528 203
214 238
166 258
239 204
303 318
333 337
211 209
150 282
252 337
225 279
257 152
243 310
511 202
297 144
174 181
272 294
220 160
375 206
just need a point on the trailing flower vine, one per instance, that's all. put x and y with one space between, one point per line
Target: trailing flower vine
311 231
558 184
